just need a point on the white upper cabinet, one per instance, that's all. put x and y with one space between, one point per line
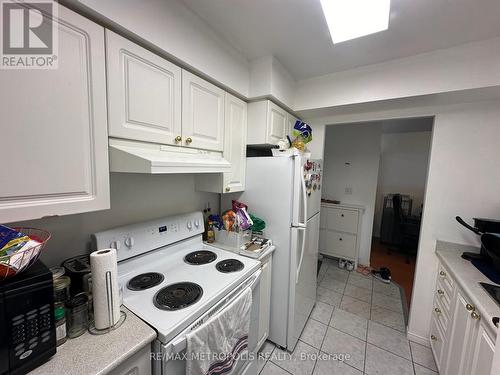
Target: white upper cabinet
54 129
267 123
202 113
235 136
291 123
144 93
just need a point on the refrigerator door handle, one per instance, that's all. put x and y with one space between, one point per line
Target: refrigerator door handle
304 194
303 247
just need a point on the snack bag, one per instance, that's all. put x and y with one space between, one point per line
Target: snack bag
303 131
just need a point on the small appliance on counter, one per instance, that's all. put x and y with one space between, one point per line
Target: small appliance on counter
28 337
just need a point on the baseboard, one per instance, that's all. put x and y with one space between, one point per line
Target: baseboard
418 339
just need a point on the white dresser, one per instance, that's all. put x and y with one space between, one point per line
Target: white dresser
340 227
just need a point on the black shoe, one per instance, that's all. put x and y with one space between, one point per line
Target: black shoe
383 274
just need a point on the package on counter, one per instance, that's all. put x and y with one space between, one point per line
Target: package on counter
303 131
242 217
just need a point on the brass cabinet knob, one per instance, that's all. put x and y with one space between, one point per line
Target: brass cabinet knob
440 292
437 311
469 307
433 338
228 189
442 273
178 139
189 140
475 315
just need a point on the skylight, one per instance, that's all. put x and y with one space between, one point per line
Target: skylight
350 19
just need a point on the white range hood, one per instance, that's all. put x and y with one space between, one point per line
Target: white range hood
141 157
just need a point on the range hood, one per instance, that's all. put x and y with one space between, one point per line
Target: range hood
151 158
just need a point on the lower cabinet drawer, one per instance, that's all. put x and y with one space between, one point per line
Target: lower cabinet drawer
443 295
341 244
437 339
445 279
440 315
342 220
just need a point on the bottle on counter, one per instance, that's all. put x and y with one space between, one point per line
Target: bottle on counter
60 322
210 232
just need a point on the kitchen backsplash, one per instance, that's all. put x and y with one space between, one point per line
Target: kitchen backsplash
134 198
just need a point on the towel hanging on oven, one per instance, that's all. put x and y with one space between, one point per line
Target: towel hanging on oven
219 345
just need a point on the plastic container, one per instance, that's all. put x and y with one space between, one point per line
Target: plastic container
61 289
57 272
77 315
60 322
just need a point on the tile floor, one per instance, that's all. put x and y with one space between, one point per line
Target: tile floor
357 327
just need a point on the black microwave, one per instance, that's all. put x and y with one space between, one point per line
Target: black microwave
27 329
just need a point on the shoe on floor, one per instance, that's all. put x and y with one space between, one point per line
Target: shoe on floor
349 266
383 274
342 263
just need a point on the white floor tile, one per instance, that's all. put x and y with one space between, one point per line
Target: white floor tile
328 296
423 356
333 284
313 333
349 323
271 369
362 294
388 339
420 370
300 362
355 306
391 289
388 302
327 366
359 280
337 343
388 318
382 362
264 354
322 312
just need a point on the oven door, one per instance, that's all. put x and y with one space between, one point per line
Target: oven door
171 359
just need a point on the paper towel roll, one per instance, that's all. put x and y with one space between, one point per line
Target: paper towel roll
101 262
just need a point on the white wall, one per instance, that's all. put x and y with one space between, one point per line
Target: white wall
358 145
463 179
174 28
404 159
134 198
463 67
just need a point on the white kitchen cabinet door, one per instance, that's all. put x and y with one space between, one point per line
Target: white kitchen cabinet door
463 331
54 132
265 300
277 124
202 113
144 93
482 353
235 144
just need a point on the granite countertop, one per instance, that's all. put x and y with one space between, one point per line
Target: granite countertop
468 277
89 354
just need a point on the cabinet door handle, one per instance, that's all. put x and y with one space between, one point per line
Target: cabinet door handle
437 311
440 292
178 139
475 315
340 239
469 307
228 189
342 215
433 338
189 140
442 273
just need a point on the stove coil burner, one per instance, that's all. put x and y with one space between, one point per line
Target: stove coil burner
145 281
177 296
229 265
200 257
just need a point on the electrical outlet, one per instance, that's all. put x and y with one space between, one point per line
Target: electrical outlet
348 190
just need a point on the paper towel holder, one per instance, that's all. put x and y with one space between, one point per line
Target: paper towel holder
109 297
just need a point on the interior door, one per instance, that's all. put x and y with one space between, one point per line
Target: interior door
302 278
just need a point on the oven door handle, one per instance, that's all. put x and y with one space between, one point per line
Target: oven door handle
180 343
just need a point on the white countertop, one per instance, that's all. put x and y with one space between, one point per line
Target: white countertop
468 277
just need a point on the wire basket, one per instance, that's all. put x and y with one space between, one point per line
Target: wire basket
19 261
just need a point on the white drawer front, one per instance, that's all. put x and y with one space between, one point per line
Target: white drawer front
342 220
341 244
437 341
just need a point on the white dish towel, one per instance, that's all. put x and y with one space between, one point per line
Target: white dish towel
216 347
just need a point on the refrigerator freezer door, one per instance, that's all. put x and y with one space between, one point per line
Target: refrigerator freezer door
313 181
302 278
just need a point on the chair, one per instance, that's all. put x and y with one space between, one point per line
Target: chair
406 230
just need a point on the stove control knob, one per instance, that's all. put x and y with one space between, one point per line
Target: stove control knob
189 225
197 223
115 245
129 242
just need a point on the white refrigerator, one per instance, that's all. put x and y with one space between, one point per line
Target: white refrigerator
286 193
